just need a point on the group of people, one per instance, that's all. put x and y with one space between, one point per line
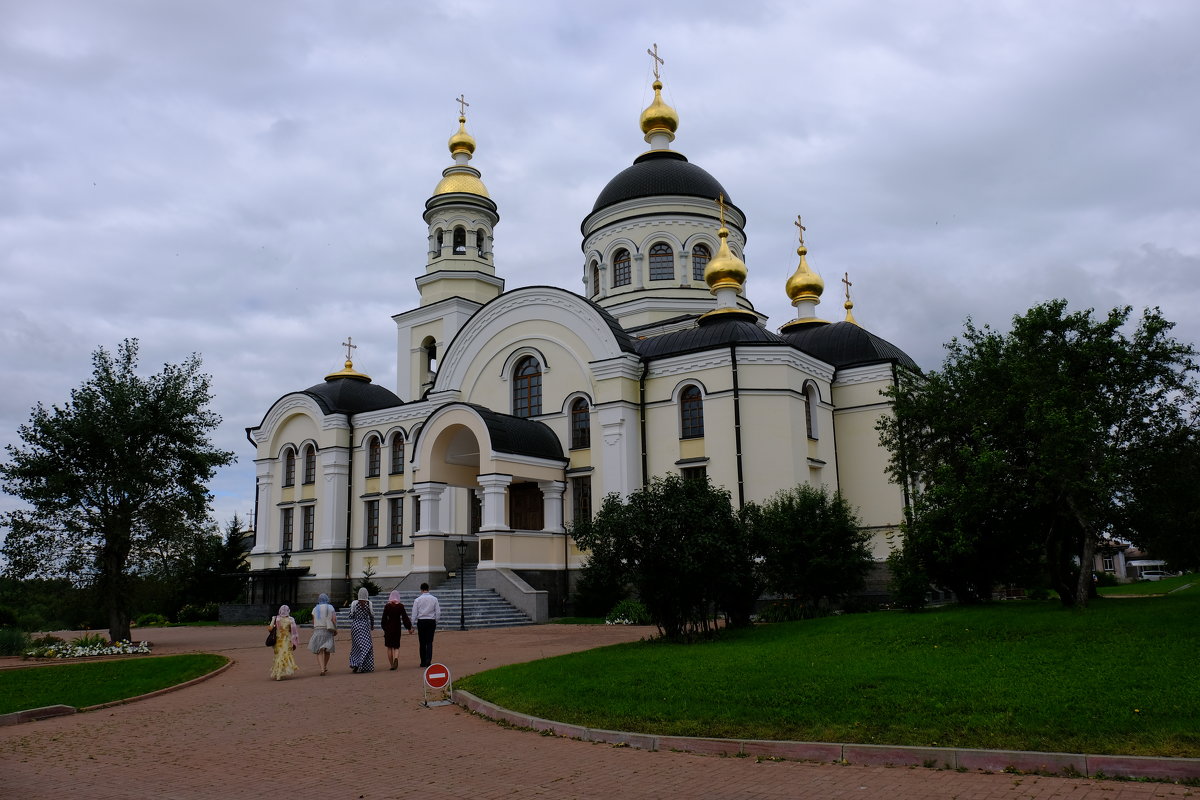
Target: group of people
395 620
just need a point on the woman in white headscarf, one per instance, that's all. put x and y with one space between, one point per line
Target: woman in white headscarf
287 636
362 622
324 620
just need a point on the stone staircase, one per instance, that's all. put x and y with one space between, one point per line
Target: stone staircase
485 608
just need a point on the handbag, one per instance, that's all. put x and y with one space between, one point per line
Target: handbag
271 635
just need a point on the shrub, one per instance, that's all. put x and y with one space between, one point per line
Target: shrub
13 641
8 617
31 621
628 612
1106 579
194 612
786 611
302 616
152 621
45 641
90 640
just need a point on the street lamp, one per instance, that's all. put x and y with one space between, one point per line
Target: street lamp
462 584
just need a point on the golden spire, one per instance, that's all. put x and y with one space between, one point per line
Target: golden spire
461 177
659 119
462 142
804 285
724 270
848 305
348 370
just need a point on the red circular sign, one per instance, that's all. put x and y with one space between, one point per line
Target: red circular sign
437 676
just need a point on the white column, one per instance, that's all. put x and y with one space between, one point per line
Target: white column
332 502
495 486
621 467
431 502
552 505
267 522
639 281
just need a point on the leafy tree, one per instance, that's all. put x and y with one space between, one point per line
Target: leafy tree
1026 447
677 542
112 475
1164 518
812 549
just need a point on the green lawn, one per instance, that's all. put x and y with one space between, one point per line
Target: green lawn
1186 583
1119 678
85 684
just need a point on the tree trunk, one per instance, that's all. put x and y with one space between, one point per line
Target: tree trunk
114 589
1083 586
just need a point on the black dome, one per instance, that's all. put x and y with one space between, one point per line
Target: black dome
718 333
351 396
844 344
660 172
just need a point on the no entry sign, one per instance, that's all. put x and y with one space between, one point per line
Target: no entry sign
437 676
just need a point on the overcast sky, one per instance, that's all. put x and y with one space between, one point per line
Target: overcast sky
245 180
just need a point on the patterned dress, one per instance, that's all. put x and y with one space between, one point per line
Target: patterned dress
284 663
362 652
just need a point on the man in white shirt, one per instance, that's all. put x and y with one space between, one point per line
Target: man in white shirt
426 611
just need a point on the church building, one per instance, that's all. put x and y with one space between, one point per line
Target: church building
516 411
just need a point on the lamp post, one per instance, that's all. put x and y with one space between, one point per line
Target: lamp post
462 584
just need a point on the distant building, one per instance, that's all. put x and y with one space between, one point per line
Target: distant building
517 411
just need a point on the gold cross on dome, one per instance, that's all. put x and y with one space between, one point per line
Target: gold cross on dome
721 205
462 104
349 345
657 60
800 224
846 280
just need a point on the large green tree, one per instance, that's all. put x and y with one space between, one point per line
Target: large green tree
811 548
1027 447
679 544
117 472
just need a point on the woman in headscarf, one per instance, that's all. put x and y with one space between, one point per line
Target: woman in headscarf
324 620
393 621
287 636
362 622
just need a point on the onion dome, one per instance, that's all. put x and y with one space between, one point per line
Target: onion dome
349 391
348 371
659 118
725 270
461 178
462 142
804 285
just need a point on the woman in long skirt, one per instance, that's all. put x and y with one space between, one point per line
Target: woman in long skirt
323 642
362 622
394 619
287 636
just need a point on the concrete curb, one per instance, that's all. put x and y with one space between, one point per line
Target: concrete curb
1071 765
34 714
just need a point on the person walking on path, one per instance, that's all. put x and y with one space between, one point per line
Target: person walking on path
394 621
362 622
426 611
324 620
287 636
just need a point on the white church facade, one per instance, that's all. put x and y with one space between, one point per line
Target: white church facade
517 411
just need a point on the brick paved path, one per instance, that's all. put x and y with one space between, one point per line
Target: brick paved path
367 736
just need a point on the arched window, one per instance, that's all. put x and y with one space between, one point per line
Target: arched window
691 413
595 279
581 424
397 454
373 457
460 241
811 398
480 240
700 258
622 275
439 239
662 262
429 346
310 464
527 388
289 467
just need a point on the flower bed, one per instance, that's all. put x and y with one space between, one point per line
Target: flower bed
75 650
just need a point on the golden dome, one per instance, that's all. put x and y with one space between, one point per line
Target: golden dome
658 116
462 142
461 182
348 371
725 270
804 283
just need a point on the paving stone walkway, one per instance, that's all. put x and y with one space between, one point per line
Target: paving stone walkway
368 737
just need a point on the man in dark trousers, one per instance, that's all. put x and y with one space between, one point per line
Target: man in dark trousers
426 611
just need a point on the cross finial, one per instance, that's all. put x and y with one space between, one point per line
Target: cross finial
800 224
721 206
657 60
846 280
349 345
462 104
